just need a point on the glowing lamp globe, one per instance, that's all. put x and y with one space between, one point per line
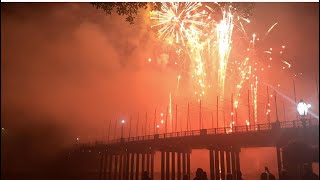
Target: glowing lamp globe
122 121
302 108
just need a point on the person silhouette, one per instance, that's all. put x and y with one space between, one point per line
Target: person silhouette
229 176
199 174
270 176
205 175
309 174
239 175
264 176
145 176
185 177
284 175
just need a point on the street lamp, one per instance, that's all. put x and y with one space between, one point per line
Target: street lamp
157 129
302 108
122 123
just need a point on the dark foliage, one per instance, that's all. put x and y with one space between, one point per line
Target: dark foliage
131 9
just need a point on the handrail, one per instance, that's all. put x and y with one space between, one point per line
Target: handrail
221 130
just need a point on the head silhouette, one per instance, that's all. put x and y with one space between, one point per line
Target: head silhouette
229 176
264 176
199 172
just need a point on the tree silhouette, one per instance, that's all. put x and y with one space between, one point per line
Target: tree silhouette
131 9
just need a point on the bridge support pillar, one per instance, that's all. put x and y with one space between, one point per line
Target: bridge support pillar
120 167
106 157
223 173
211 155
127 166
115 167
131 165
233 164
278 159
217 169
167 165
152 165
110 166
184 169
148 163
228 162
188 165
179 165
162 165
173 165
137 166
101 166
238 170
143 163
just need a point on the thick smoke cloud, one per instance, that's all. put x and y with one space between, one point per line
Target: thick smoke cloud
73 62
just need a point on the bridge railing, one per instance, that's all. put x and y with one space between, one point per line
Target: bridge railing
224 130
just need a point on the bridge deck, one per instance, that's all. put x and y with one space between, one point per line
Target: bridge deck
261 135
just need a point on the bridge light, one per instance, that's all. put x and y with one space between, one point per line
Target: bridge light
302 108
123 121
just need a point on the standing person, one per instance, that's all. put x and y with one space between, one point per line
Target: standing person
145 176
229 176
284 175
205 175
199 174
239 175
264 176
269 174
309 174
185 177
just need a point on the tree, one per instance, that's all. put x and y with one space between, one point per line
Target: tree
131 9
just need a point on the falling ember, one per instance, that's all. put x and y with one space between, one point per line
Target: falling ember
253 38
271 28
285 62
178 81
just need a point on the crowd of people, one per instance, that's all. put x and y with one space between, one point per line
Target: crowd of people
266 175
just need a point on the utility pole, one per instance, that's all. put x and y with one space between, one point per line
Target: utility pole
200 116
217 111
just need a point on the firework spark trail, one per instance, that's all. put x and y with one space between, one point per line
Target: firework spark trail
269 30
255 101
206 43
224 35
184 23
245 70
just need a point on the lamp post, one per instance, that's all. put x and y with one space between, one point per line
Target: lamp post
302 108
122 124
157 129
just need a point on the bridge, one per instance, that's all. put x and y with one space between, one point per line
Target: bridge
128 158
